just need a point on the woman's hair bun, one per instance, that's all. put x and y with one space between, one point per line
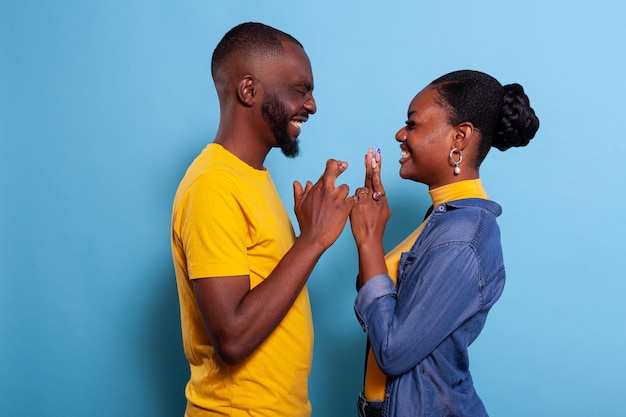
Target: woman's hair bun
519 123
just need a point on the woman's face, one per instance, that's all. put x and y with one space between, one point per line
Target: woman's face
426 141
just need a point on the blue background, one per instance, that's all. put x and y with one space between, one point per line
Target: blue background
104 104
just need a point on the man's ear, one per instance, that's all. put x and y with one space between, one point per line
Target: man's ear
465 132
247 89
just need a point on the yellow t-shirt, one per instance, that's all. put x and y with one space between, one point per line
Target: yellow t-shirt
375 380
228 220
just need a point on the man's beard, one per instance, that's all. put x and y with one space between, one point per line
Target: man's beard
273 111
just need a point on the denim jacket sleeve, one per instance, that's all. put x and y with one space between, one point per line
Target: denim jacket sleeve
435 298
437 295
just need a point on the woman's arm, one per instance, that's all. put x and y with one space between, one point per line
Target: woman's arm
368 220
440 293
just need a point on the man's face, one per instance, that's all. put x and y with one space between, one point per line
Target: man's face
288 99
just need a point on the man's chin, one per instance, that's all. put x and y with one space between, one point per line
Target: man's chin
290 149
291 153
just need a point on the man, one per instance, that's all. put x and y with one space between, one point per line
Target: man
240 270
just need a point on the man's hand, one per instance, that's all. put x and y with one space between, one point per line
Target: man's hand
322 209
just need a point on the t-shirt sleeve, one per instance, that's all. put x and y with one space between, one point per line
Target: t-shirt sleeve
214 229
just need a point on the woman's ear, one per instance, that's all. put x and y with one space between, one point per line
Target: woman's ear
464 134
246 90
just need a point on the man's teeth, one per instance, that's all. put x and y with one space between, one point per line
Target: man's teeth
296 123
404 154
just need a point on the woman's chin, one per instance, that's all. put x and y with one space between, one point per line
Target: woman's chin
404 174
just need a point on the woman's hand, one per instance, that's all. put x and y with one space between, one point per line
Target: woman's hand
368 219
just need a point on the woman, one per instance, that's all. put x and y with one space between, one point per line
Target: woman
427 300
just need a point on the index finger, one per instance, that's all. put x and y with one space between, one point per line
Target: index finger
333 170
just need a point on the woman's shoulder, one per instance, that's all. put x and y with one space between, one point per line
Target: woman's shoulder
464 220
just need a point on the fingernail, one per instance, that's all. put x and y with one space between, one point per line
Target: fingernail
377 150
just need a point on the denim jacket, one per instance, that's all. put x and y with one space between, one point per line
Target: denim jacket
420 329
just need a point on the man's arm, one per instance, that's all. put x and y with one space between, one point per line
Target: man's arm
239 319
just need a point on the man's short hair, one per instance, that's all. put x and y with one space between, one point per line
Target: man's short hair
248 40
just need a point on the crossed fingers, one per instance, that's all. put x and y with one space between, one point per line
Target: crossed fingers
373 182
